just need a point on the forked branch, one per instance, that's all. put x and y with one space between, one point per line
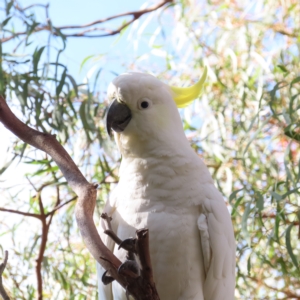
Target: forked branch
140 247
138 287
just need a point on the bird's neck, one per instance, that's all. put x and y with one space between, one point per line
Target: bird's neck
142 146
143 155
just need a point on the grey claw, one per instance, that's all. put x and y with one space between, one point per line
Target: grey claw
127 293
129 245
106 279
131 266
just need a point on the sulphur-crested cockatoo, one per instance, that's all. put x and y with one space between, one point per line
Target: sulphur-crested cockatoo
164 186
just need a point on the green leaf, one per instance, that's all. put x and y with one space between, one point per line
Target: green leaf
30 29
83 116
293 191
9 6
61 35
75 87
249 265
236 204
36 58
282 68
96 79
61 83
233 195
296 80
244 222
85 61
292 133
121 34
254 136
286 162
259 201
289 246
46 170
6 165
63 280
38 162
276 196
5 22
277 223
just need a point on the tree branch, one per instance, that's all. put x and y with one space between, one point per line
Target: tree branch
281 290
273 216
44 234
142 242
85 204
57 207
2 267
37 215
109 32
21 213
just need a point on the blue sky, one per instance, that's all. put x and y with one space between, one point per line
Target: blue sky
73 12
78 12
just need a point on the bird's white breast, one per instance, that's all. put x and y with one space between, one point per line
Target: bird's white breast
163 194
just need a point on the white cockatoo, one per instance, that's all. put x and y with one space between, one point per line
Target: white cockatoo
164 186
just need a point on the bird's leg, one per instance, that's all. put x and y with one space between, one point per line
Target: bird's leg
130 265
130 255
129 268
127 244
109 231
107 219
106 278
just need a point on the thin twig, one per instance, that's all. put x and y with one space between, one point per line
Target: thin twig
113 236
37 216
109 231
107 219
21 213
281 290
60 206
273 216
135 15
39 260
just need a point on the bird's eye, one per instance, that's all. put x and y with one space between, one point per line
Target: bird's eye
144 104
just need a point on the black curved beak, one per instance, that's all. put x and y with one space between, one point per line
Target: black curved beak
117 118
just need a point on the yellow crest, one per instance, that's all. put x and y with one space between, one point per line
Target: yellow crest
184 96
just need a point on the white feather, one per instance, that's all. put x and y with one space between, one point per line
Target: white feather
205 242
166 187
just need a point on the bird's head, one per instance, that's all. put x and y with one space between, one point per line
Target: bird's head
143 112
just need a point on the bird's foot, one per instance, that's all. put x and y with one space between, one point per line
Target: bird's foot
106 279
130 268
128 244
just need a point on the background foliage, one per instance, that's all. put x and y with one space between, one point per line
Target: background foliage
246 127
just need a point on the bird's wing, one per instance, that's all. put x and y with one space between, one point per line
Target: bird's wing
105 291
218 246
